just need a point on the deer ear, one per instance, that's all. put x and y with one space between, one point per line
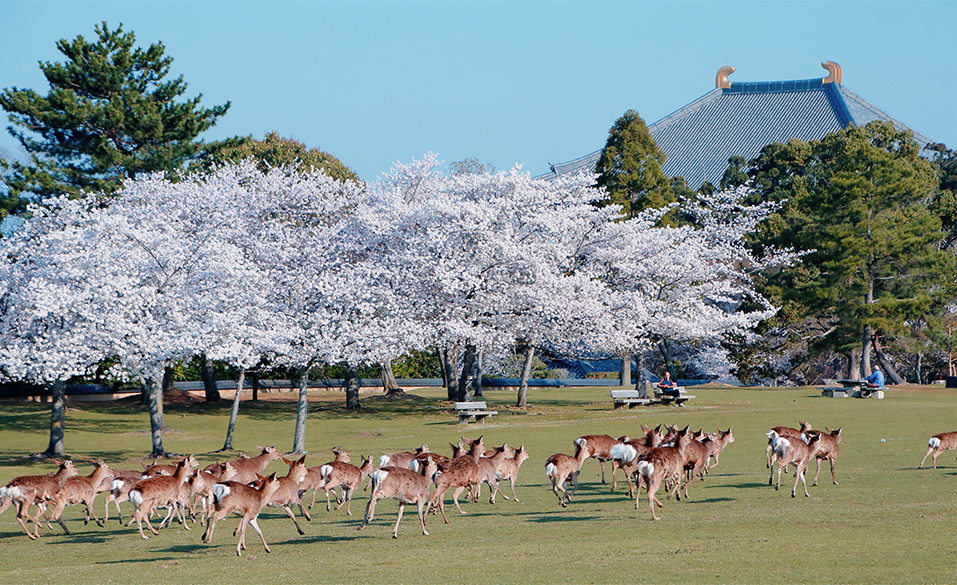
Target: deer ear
302 459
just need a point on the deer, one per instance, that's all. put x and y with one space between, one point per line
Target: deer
249 468
232 497
786 432
313 477
659 465
161 490
626 452
200 486
123 481
938 444
791 451
599 447
460 473
488 472
401 459
403 485
828 449
26 490
695 457
508 469
561 468
81 490
345 476
720 440
287 493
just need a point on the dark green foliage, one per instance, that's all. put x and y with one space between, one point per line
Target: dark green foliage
630 167
110 114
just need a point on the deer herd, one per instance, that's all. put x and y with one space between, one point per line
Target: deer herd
663 456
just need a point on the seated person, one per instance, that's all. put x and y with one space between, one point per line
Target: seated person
667 386
875 380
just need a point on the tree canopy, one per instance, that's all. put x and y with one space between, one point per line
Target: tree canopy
110 114
629 167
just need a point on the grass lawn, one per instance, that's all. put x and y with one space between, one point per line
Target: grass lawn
887 521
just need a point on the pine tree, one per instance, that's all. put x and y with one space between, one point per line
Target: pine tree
110 114
630 167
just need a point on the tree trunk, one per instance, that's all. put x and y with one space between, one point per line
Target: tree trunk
853 365
57 419
466 388
209 380
389 385
665 347
477 378
526 373
886 364
234 411
625 376
866 341
352 389
640 385
450 358
168 380
154 391
302 411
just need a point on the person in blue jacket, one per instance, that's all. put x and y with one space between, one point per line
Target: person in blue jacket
875 380
667 386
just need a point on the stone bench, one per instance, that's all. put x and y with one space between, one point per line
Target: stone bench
631 398
467 410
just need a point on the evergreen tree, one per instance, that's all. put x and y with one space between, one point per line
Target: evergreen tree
630 167
110 114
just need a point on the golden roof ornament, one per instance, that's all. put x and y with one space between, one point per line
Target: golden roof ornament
721 79
833 71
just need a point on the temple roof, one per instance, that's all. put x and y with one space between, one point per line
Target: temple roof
739 119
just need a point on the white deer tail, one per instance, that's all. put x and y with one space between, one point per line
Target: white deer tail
220 491
378 476
646 469
325 471
934 442
772 435
551 470
781 447
136 497
384 461
623 452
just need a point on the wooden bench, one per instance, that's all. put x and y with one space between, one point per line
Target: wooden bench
679 400
467 410
630 397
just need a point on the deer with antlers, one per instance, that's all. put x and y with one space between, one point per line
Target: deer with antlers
938 444
403 485
232 497
27 490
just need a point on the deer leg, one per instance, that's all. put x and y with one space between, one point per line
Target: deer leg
370 512
293 518
420 506
395 530
455 498
799 475
833 461
929 451
347 500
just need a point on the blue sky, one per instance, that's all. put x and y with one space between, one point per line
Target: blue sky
503 82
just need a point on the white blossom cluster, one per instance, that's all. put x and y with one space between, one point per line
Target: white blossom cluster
238 264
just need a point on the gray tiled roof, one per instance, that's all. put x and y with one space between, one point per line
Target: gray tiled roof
698 139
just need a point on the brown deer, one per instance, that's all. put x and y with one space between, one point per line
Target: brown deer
489 470
345 476
313 477
460 473
627 451
233 497
561 468
401 459
249 468
287 493
828 449
695 457
158 491
798 453
81 490
123 482
720 440
508 469
599 447
659 465
403 485
27 490
938 444
787 433
200 487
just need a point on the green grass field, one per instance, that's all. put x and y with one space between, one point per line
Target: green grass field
887 521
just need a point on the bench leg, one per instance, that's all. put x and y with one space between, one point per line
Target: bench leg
479 418
463 419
